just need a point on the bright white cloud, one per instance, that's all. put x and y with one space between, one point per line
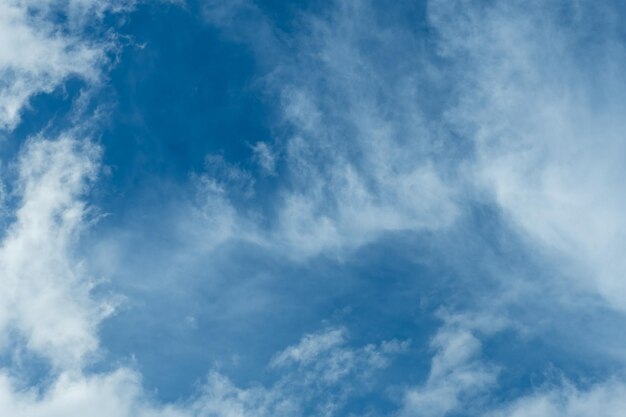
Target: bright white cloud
45 295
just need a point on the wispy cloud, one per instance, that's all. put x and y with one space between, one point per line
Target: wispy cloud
360 158
542 103
459 377
36 55
300 392
379 129
606 399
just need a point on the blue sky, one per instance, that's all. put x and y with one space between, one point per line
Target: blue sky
344 208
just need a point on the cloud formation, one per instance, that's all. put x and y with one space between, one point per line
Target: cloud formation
568 401
46 294
380 130
37 55
542 103
305 391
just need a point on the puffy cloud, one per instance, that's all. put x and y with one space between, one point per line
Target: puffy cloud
45 295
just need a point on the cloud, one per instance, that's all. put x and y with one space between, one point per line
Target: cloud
328 359
48 305
310 347
360 155
265 157
606 399
542 103
381 131
45 295
319 375
37 55
75 395
458 375
299 392
359 159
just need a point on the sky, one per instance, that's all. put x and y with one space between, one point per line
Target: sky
340 208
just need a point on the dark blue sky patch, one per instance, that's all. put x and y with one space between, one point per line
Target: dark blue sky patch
178 98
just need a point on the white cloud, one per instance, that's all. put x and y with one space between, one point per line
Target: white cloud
545 109
603 399
360 158
47 305
363 160
324 357
458 375
310 347
45 295
36 55
323 371
299 392
265 157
